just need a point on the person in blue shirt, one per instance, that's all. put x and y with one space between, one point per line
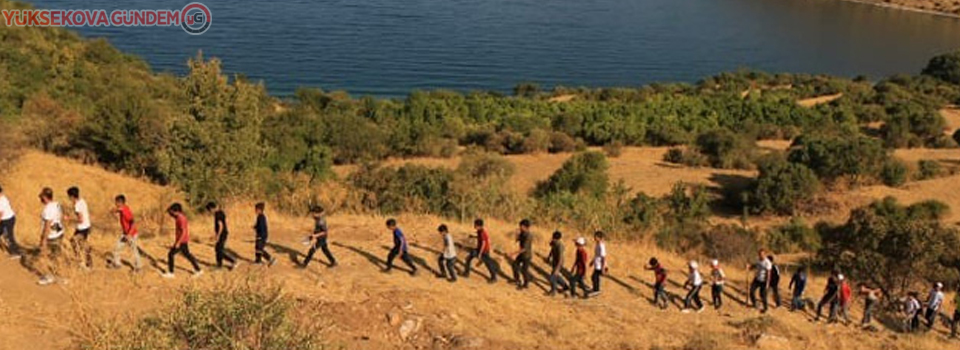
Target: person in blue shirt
798 283
399 248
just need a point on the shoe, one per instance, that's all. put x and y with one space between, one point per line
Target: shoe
413 272
685 311
15 257
387 270
272 261
46 280
700 310
332 265
167 275
492 281
198 274
233 266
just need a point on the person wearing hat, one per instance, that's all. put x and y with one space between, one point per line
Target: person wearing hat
555 259
523 257
579 269
694 283
934 302
717 280
660 280
846 296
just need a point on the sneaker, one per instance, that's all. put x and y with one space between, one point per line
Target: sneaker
700 310
167 275
413 272
332 265
271 262
685 311
15 256
197 274
46 280
234 266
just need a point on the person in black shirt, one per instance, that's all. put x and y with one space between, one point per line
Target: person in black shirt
557 282
319 236
522 257
220 233
261 230
830 296
774 281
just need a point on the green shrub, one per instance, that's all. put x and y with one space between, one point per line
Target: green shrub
561 143
642 212
781 187
687 203
794 236
725 150
584 173
928 169
613 149
537 141
830 158
409 188
690 158
894 173
730 243
945 67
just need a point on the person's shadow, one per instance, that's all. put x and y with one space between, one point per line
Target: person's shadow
373 259
418 261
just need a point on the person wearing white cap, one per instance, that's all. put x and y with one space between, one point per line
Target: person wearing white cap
845 299
579 269
934 302
717 280
695 283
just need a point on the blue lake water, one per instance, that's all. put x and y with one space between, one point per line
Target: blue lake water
389 47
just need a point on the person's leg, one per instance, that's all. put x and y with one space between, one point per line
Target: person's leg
753 293
442 263
392 255
525 269
75 244
834 305
573 285
469 262
313 250
185 249
407 259
867 310
515 265
87 249
688 300
775 289
8 227
451 269
696 297
117 249
953 324
763 296
134 244
715 293
326 251
170 255
595 279
657 292
931 318
554 278
491 266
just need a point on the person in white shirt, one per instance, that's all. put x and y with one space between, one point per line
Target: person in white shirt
912 311
448 258
761 281
695 284
8 221
50 233
717 280
934 302
81 249
599 262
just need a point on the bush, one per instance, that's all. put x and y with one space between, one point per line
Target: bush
730 243
409 188
781 187
613 149
642 212
688 203
688 157
830 158
584 173
795 236
725 150
945 67
561 143
928 169
537 141
894 173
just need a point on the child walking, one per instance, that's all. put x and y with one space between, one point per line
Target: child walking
399 248
81 248
579 269
319 237
262 235
555 259
717 280
128 237
448 257
695 283
599 262
220 233
181 244
660 280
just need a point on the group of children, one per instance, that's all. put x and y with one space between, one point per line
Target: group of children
837 295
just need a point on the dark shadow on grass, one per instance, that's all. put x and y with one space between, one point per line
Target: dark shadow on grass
373 259
416 261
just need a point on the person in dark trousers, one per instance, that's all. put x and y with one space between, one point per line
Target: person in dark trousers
774 281
934 302
220 233
797 284
956 314
448 257
181 244
579 269
523 256
8 221
81 248
319 237
912 311
761 280
871 296
659 284
555 259
695 283
717 280
599 262
262 234
399 248
482 251
830 297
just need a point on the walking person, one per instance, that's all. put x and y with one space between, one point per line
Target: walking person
8 221
448 257
579 269
51 233
220 233
871 296
774 281
912 312
845 299
717 280
262 235
956 314
482 251
694 283
399 248
523 256
81 248
830 296
659 285
934 302
128 236
761 280
181 242
599 262
797 284
555 259
320 234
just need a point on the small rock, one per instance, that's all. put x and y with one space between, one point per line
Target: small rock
408 328
465 342
393 318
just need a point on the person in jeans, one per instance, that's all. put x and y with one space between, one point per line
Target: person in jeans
659 284
220 233
798 283
579 269
717 280
8 221
448 257
319 237
599 262
51 233
912 312
774 281
871 296
482 251
399 248
128 237
555 259
181 243
695 283
523 256
81 249
262 235
761 280
830 296
934 302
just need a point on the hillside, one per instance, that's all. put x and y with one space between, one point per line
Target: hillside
946 7
358 307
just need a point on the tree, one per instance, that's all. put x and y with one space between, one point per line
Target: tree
945 67
583 174
781 187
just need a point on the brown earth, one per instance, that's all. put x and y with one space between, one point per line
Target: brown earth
944 7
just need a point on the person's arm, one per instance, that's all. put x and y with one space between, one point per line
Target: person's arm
43 232
793 280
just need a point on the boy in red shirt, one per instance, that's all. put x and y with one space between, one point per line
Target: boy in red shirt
181 242
846 296
482 251
129 236
579 269
660 274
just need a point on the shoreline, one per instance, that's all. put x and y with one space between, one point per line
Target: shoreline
906 8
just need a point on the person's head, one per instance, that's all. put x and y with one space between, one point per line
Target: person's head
835 273
580 242
317 211
654 262
46 195
840 277
120 200
525 225
938 286
443 229
175 209
557 235
762 253
73 193
770 257
715 263
693 265
391 223
211 206
912 294
259 207
478 224
598 236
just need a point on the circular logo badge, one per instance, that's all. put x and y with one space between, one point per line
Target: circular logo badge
195 18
